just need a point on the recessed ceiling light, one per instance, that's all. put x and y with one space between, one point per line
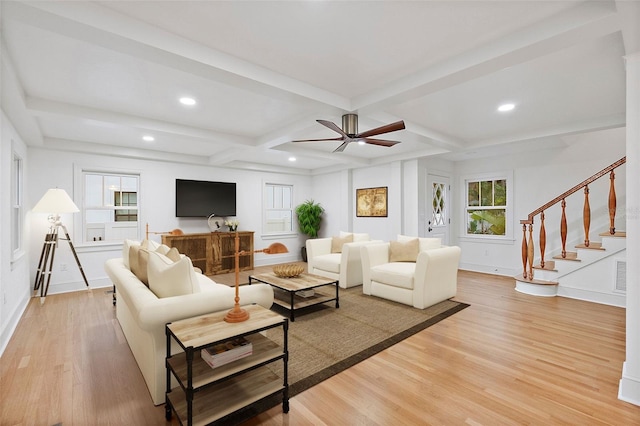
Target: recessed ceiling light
506 107
187 101
292 158
360 142
148 138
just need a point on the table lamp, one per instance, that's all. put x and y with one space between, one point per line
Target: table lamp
237 314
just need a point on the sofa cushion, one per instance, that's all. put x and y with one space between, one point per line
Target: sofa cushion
425 243
397 274
168 278
163 249
356 236
404 251
134 260
337 242
328 262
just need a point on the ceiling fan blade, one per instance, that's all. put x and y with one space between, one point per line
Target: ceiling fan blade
342 146
318 140
333 127
398 125
380 142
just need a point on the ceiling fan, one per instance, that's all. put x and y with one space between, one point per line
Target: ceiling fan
349 132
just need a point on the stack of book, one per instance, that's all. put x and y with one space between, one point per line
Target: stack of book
227 352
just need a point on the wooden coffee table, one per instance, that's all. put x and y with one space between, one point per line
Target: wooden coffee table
294 302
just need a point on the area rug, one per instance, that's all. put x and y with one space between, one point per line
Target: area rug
324 340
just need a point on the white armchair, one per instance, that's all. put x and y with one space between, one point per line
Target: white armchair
432 278
344 266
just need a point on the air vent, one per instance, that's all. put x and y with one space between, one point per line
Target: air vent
621 276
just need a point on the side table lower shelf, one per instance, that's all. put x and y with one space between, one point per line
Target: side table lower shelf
221 399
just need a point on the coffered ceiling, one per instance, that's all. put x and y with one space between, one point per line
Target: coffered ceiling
98 76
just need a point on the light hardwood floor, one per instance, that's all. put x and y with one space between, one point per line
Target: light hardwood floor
507 359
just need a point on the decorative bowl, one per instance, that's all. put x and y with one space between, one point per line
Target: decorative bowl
288 270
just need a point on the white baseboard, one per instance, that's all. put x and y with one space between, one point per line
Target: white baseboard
611 299
488 269
629 389
68 287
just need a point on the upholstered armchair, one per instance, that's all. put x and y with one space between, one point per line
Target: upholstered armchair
415 277
338 258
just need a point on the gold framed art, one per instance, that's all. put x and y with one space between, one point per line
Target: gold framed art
371 202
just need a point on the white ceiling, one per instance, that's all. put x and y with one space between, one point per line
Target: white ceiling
97 76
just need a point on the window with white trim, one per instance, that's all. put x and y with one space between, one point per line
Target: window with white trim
278 209
16 204
110 207
488 208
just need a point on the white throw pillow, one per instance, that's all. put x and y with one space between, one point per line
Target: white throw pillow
168 278
356 236
425 243
126 245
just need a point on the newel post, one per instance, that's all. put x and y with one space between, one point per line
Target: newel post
524 251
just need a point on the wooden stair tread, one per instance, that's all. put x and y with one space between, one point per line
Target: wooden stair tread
618 234
571 255
549 265
592 246
521 277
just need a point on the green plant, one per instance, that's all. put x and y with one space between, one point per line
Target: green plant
309 217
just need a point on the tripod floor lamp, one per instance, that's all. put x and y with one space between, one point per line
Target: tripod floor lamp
54 201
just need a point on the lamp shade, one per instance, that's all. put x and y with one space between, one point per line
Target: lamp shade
55 201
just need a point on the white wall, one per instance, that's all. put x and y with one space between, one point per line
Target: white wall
15 286
540 176
48 168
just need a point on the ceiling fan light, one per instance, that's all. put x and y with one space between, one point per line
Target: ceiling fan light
148 138
360 142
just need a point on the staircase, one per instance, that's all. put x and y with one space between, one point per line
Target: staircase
594 271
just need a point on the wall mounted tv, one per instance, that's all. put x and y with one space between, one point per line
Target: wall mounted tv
198 198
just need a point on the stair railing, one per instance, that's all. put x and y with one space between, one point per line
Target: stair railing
528 248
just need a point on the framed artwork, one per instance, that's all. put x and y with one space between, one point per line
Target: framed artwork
371 202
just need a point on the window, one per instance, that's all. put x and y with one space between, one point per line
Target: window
278 209
16 204
486 206
110 206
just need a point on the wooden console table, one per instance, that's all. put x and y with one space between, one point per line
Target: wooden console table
214 252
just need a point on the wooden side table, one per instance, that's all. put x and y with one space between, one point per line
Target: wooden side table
206 395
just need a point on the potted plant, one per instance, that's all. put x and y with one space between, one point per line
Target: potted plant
309 217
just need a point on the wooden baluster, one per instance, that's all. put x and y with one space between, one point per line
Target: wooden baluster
586 216
543 239
524 251
563 229
612 203
530 251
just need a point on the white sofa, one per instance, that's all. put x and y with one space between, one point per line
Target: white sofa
430 279
142 315
344 265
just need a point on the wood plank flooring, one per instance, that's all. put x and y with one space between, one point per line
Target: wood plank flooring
508 359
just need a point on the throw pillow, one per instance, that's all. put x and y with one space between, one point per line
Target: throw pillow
404 251
143 262
126 245
337 242
134 265
356 236
425 243
171 279
173 254
163 249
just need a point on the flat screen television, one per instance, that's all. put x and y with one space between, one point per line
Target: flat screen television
199 198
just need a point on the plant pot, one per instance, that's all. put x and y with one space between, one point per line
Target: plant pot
303 252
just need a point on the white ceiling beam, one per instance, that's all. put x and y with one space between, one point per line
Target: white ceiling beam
591 125
45 107
13 101
121 33
587 22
